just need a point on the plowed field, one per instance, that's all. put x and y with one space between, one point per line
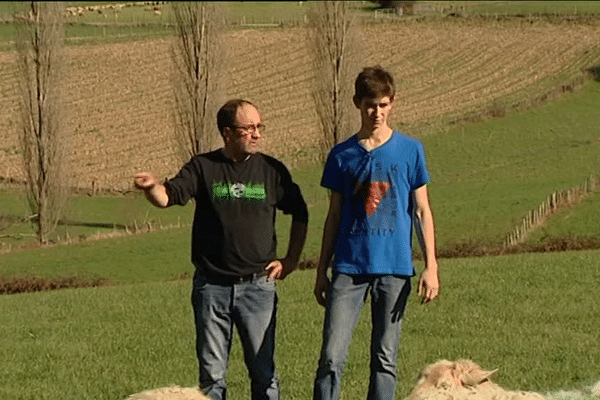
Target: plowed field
120 108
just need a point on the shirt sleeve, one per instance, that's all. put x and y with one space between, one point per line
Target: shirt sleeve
184 185
332 174
289 197
420 174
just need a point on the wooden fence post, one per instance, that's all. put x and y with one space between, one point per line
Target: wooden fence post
552 204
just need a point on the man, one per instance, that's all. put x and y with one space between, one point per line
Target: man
237 190
377 180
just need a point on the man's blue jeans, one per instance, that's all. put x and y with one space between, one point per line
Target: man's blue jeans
249 306
345 299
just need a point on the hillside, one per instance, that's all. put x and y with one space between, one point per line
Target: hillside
120 100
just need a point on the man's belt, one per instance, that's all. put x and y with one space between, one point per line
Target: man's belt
233 280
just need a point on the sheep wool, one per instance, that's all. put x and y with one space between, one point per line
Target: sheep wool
465 380
170 393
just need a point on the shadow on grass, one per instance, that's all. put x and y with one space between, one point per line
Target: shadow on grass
15 219
107 225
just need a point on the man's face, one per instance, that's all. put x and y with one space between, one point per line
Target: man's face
374 113
244 137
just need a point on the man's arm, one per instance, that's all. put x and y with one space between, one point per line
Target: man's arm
280 268
330 232
297 239
155 192
429 280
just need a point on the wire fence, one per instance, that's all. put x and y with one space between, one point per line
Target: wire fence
556 201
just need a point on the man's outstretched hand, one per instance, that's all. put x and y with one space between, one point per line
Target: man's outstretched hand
144 181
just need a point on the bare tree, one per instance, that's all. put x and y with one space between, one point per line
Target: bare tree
333 45
198 58
39 41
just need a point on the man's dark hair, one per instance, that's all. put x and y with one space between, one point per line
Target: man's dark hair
227 113
373 83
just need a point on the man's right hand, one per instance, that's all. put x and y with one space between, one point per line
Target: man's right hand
155 192
321 285
145 181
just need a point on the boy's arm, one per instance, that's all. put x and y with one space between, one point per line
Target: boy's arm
429 283
330 232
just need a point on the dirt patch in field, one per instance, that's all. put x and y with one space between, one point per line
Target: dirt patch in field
549 244
457 250
120 117
35 284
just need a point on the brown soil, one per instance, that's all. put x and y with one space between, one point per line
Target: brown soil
548 244
32 284
119 96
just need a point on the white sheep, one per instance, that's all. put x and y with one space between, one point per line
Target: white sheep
170 393
465 380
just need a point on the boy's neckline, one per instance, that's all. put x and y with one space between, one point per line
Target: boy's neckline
374 142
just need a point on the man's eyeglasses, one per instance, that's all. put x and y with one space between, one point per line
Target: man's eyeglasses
250 129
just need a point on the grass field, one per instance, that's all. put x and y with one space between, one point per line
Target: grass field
272 11
534 317
103 22
525 8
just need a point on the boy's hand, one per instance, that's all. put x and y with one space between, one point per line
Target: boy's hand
429 285
321 289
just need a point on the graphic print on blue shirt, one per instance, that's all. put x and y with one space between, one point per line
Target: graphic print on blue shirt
373 200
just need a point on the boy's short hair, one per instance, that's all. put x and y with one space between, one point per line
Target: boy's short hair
227 113
373 83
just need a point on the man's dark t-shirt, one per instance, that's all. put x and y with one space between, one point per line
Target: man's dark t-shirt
233 233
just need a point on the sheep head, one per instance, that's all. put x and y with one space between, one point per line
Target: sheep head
446 376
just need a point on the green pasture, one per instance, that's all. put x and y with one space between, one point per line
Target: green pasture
527 8
86 217
140 21
534 317
486 176
135 22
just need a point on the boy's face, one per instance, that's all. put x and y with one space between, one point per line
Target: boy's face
374 113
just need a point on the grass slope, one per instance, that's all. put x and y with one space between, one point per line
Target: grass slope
486 176
532 316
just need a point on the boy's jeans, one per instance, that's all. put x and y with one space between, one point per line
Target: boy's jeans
345 299
251 307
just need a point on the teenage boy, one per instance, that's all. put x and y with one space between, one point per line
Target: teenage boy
377 180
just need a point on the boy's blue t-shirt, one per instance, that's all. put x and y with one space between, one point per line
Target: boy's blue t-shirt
375 231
